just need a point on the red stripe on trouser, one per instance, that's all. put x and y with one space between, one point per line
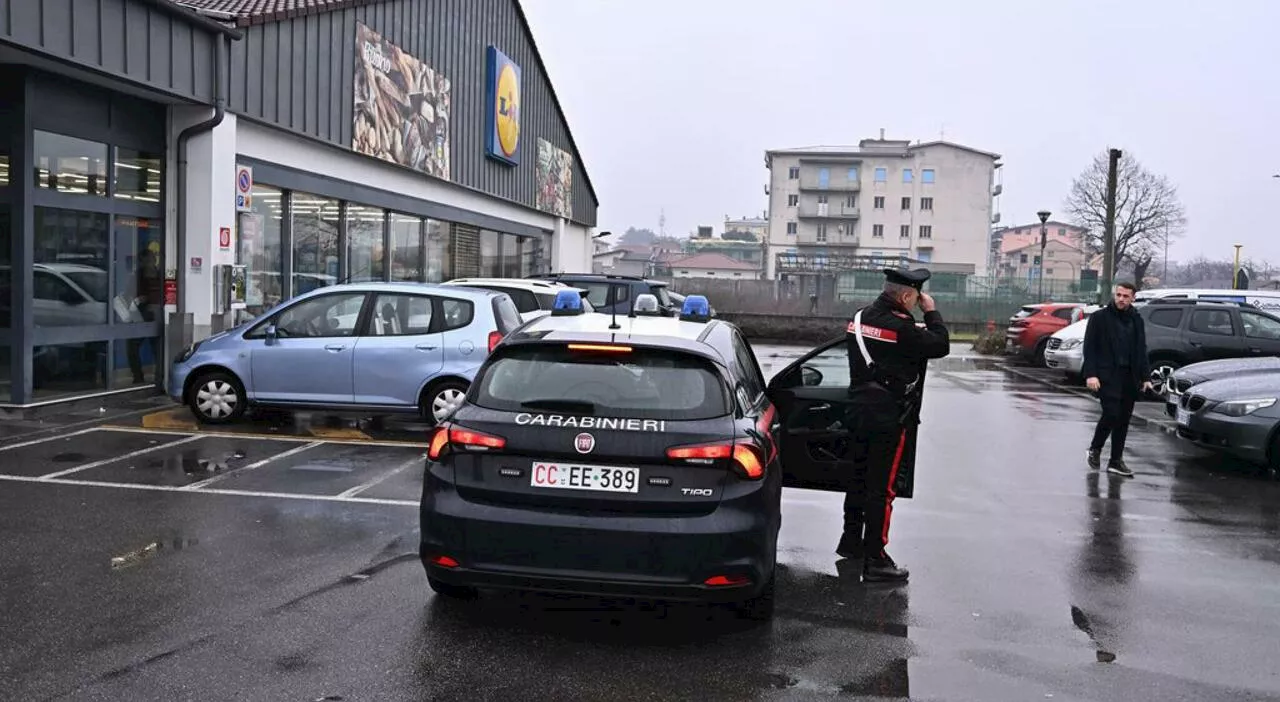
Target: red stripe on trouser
890 493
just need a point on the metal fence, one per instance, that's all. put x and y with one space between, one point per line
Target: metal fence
965 299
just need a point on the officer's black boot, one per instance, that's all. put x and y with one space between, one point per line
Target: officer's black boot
850 543
881 569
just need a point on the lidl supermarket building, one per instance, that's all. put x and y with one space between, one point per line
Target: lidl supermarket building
170 167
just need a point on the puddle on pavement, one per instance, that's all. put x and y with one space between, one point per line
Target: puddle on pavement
141 555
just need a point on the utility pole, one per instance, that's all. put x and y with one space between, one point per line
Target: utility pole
1109 233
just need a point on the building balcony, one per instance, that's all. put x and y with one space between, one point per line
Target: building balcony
814 210
833 239
836 183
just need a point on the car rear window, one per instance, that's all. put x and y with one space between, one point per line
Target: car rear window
640 383
1026 312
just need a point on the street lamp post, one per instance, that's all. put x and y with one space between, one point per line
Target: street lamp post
1044 237
1235 270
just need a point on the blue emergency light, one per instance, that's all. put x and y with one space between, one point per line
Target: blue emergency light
696 309
568 302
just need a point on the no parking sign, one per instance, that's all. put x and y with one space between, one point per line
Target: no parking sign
244 188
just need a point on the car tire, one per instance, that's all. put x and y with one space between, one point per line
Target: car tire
453 592
1037 356
1161 369
761 607
439 395
217 397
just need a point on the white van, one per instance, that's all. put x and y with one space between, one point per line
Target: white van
1263 299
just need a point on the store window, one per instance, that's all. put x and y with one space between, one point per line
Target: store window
139 297
6 284
260 251
406 247
137 175
70 274
439 251
532 255
490 254
70 165
511 245
68 369
314 224
364 244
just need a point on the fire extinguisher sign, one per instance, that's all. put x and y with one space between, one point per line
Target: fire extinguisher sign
244 189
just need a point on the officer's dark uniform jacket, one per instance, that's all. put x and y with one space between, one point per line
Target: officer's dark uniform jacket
893 387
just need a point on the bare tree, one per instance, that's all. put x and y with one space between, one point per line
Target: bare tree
1148 211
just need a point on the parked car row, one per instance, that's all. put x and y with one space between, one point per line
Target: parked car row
381 348
1231 406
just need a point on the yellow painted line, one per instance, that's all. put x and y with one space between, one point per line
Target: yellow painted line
177 418
257 435
339 433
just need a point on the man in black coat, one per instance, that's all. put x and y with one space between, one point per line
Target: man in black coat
1116 368
888 352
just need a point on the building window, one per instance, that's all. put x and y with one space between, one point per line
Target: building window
684 272
490 254
1049 254
822 233
511 245
364 244
824 177
906 175
877 231
793 200
926 176
261 248
926 231
791 228
1062 232
906 203
905 231
70 165
879 202
926 203
1022 258
822 199
314 223
853 175
407 250
851 201
1048 271
70 277
882 175
137 175
793 173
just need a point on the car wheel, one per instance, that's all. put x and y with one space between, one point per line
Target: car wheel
1037 358
455 592
441 399
217 397
759 608
1161 370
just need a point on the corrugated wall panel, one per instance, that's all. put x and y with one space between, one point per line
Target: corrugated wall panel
449 35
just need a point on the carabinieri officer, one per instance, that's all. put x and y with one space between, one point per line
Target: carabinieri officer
888 353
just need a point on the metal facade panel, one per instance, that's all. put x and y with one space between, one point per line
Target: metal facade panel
277 64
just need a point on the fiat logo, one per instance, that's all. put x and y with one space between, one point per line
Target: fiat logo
584 442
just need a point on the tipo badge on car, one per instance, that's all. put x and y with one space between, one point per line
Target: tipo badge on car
584 442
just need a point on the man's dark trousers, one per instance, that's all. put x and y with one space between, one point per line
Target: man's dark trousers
876 445
1117 410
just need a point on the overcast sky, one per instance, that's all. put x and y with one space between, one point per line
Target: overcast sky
673 104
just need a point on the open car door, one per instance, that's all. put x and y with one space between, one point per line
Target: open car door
814 413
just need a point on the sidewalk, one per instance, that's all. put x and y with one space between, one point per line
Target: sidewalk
17 425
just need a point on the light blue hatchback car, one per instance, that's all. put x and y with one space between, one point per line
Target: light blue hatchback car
382 348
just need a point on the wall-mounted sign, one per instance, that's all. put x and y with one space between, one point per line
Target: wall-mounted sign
554 180
502 105
170 291
402 106
197 263
244 188
224 238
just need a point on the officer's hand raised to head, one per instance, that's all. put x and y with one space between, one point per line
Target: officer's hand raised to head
926 303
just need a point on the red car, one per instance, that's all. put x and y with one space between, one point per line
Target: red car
1030 329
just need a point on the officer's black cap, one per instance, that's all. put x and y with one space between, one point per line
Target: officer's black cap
915 278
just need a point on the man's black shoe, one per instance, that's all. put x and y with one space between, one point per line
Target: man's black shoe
882 569
1117 467
850 546
1095 458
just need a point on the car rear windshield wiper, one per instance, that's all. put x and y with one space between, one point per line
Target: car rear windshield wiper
567 405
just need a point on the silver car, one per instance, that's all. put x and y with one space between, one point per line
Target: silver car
1236 415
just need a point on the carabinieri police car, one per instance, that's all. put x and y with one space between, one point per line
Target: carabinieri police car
595 454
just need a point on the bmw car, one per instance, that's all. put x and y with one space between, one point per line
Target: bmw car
1187 377
633 456
1237 415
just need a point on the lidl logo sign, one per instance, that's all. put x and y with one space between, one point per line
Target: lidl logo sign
504 103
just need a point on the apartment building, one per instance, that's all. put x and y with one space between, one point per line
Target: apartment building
881 200
1066 253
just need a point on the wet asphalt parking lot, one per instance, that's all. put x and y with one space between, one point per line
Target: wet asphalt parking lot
145 560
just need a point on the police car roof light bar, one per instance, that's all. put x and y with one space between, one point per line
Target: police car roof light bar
568 302
696 309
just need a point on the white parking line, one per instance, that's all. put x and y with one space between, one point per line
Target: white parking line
261 437
214 491
121 457
33 442
256 464
399 469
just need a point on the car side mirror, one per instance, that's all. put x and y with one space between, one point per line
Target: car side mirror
810 376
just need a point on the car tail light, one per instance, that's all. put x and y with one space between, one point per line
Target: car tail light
495 338
444 562
475 439
439 440
726 580
747 457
